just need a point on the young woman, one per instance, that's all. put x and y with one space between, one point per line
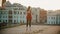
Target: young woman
29 17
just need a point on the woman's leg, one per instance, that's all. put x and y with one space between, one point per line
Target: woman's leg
27 24
30 25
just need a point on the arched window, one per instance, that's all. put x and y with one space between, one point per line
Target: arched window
10 11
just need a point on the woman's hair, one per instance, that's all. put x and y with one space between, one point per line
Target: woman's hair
28 8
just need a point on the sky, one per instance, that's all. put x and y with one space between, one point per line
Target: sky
44 4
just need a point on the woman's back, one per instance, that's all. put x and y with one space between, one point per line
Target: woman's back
29 16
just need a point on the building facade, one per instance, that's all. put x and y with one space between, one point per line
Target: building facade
3 16
53 17
35 15
43 16
13 13
58 17
16 13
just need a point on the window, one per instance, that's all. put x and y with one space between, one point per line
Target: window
5 12
14 12
0 20
20 16
23 16
51 21
21 9
0 16
23 21
54 17
51 17
54 22
3 16
10 12
3 21
59 17
20 21
20 12
14 21
24 13
6 20
1 12
10 16
15 8
6 16
15 16
10 21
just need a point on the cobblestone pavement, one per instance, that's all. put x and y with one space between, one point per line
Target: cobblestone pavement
35 29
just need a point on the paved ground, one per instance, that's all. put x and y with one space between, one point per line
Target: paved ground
35 29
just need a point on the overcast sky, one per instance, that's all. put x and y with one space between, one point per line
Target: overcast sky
45 4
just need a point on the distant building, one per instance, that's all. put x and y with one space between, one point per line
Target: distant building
35 15
53 17
58 17
13 13
43 16
4 16
38 10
